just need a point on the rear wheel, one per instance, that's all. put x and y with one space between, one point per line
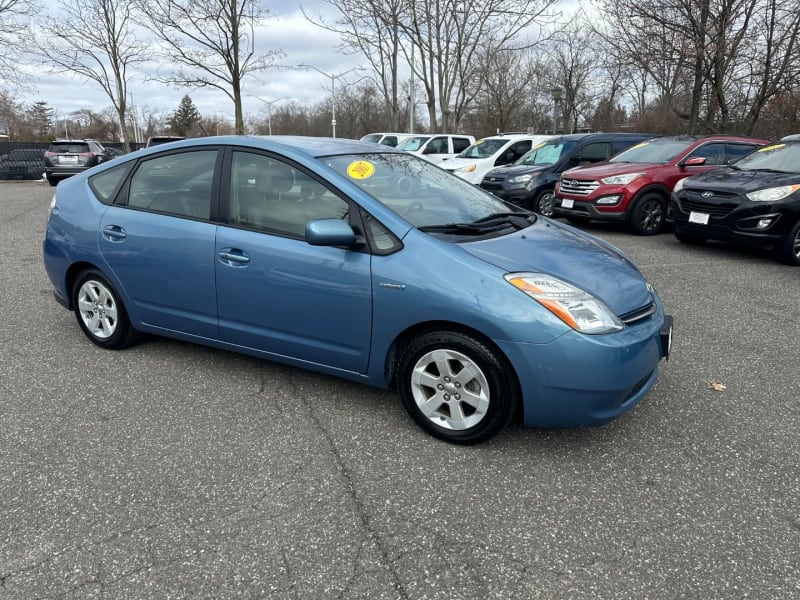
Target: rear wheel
545 203
456 387
789 251
690 238
100 313
647 215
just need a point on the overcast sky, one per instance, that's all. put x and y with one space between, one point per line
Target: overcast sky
290 32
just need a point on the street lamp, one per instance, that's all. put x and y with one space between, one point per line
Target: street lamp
333 92
269 104
556 91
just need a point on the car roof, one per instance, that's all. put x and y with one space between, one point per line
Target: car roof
313 147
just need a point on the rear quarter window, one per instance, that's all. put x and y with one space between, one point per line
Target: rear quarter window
106 184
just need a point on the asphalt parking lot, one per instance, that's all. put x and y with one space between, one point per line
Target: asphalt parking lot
176 471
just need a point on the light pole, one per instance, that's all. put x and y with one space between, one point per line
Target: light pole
333 92
556 91
269 104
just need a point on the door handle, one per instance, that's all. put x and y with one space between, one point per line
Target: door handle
233 257
114 233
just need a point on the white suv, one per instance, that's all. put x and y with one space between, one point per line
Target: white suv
436 147
386 139
490 152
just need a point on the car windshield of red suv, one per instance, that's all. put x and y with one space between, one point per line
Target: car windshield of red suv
652 152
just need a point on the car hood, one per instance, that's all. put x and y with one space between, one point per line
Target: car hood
572 255
511 171
608 169
457 161
731 179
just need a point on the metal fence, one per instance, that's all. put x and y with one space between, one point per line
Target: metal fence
25 160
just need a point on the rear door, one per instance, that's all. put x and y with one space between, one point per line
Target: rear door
159 241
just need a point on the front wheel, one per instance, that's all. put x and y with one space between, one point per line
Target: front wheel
647 215
545 203
456 387
100 313
789 251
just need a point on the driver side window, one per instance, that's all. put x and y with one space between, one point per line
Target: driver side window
271 195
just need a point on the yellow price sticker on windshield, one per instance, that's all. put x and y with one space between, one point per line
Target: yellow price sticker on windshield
769 148
640 145
360 169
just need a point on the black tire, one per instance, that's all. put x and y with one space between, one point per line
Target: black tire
51 181
545 203
472 366
100 313
692 239
789 251
648 214
578 220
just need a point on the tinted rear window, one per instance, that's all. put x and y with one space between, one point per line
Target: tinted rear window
68 147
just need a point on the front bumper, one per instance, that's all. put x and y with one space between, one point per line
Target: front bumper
588 380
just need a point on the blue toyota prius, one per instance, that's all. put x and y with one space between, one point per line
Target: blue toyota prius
362 262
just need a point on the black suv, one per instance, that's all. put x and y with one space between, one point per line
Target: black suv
68 157
756 200
529 182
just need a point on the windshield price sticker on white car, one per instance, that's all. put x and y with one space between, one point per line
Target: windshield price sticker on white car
699 218
567 203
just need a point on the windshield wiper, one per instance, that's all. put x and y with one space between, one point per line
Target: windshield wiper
484 224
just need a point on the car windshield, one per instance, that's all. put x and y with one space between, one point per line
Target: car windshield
545 154
653 151
483 148
413 144
781 157
421 193
372 137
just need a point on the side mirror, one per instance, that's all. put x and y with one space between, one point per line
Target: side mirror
694 161
330 232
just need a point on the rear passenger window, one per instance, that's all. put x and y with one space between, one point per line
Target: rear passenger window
734 152
177 184
596 152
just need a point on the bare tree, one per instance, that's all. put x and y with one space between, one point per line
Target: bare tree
450 36
211 42
372 29
94 39
15 19
716 63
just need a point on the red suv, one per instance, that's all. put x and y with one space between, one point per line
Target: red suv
635 185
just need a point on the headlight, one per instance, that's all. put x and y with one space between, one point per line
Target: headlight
773 194
679 185
621 179
521 179
576 307
467 169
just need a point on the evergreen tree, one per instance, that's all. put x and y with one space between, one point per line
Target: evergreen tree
185 118
41 117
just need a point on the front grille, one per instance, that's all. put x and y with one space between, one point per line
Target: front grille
492 185
578 187
717 204
638 314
